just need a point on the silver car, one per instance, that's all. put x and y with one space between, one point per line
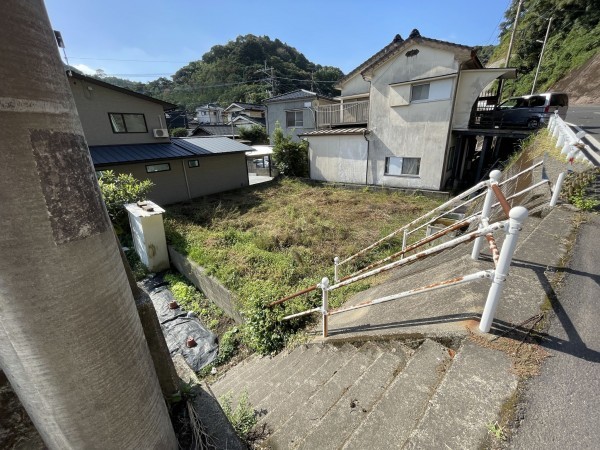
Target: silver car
530 111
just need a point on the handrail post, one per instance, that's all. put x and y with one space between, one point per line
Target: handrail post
325 306
557 188
485 212
336 263
517 216
404 242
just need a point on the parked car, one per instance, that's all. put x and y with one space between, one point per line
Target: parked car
530 111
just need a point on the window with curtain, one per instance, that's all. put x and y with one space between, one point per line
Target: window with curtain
400 166
419 92
128 123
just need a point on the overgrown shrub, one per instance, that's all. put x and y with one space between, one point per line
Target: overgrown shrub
255 134
117 190
290 158
243 417
178 132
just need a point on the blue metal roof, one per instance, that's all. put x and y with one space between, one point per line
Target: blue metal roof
177 148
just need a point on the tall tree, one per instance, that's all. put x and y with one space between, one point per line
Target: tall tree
71 342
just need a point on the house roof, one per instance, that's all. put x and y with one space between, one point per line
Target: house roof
217 130
398 44
249 106
166 105
256 120
335 131
296 95
103 155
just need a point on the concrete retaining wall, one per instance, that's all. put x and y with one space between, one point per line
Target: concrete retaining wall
212 288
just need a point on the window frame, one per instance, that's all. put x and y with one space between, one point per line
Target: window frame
402 175
295 111
412 89
158 164
125 123
193 166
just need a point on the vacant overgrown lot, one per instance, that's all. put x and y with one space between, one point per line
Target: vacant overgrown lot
268 241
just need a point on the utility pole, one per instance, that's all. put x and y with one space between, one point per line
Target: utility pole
537 71
71 342
271 80
510 45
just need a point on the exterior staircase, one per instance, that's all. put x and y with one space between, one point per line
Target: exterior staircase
375 394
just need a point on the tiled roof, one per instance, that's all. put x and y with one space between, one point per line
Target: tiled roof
295 95
178 148
334 131
386 52
257 120
217 130
251 106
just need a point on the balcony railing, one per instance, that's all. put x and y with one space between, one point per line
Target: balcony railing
353 113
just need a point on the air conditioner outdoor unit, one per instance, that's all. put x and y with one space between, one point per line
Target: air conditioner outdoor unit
161 132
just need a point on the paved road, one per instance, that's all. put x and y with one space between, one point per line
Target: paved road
586 117
562 403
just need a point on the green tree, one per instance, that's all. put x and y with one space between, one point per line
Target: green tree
117 190
178 132
255 134
290 158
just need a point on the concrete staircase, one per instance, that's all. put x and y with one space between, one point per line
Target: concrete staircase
375 394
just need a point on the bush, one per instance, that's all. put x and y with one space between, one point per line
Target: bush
117 190
290 158
243 417
255 134
178 132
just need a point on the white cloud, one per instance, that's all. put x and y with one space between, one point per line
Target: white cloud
85 69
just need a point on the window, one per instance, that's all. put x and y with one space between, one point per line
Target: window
151 168
402 166
419 92
128 123
193 163
294 119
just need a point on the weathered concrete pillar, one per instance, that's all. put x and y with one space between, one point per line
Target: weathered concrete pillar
71 342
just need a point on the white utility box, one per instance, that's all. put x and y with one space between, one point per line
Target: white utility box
148 231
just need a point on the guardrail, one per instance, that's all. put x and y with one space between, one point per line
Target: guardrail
494 199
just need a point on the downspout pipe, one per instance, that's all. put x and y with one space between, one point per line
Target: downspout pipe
368 150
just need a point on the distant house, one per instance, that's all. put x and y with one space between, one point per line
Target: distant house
126 133
403 118
245 121
228 131
295 111
211 114
176 119
249 110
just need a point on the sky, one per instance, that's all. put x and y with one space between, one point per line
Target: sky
143 40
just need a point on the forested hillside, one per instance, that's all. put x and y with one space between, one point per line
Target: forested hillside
245 70
573 40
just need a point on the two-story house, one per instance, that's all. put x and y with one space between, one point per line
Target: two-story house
245 114
397 115
210 114
295 111
126 133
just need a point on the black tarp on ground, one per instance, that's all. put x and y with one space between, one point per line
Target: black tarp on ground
177 325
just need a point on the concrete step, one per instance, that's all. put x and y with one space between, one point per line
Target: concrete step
352 408
295 428
470 396
281 404
282 373
254 370
400 408
231 375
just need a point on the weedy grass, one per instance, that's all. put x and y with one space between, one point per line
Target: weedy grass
266 242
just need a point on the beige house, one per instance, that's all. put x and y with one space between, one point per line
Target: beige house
399 116
247 110
126 133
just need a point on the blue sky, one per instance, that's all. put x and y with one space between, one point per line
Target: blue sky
168 34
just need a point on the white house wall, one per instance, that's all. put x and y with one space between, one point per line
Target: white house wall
355 85
338 158
417 129
470 85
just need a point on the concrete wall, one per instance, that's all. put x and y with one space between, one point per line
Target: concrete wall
214 174
355 85
212 288
338 158
470 85
276 112
418 129
94 105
